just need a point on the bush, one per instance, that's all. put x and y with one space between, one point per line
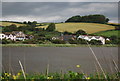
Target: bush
114 39
82 41
95 42
30 41
5 41
58 41
71 41
80 32
67 33
108 42
51 27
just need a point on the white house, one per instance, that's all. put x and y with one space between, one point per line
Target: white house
15 35
89 38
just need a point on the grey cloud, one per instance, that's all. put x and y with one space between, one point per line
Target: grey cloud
60 0
56 11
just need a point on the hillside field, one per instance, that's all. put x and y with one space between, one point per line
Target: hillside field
109 33
10 23
72 27
88 27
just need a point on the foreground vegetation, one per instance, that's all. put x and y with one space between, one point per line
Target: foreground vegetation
70 76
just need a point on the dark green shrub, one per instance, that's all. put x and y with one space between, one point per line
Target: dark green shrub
82 41
71 41
51 27
114 39
108 42
7 41
4 41
95 42
58 41
80 32
67 33
30 41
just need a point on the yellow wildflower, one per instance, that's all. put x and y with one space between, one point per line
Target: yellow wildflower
7 74
18 74
3 78
48 77
14 77
78 66
76 74
87 78
51 77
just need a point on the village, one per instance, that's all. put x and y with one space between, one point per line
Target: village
21 36
75 30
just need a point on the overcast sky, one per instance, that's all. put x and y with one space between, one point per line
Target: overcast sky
56 11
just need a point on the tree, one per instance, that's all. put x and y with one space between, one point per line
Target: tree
24 22
80 32
107 20
97 18
29 22
76 18
33 24
51 27
10 28
67 33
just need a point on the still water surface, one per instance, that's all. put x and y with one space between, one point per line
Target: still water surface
37 59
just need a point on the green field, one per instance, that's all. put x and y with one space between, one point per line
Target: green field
73 27
10 23
88 27
109 33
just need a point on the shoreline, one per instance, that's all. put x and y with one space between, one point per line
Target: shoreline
56 45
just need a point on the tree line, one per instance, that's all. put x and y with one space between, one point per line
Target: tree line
97 18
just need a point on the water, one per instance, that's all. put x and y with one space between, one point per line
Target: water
36 59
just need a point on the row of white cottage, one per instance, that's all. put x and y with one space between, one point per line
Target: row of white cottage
18 35
86 37
89 38
15 35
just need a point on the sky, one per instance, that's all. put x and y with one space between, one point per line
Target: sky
56 11
60 0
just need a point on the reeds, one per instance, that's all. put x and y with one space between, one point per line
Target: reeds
22 69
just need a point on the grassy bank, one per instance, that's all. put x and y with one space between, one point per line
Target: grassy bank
55 45
69 76
109 33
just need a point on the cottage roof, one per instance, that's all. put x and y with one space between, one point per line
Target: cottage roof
15 32
66 37
97 37
8 33
89 37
